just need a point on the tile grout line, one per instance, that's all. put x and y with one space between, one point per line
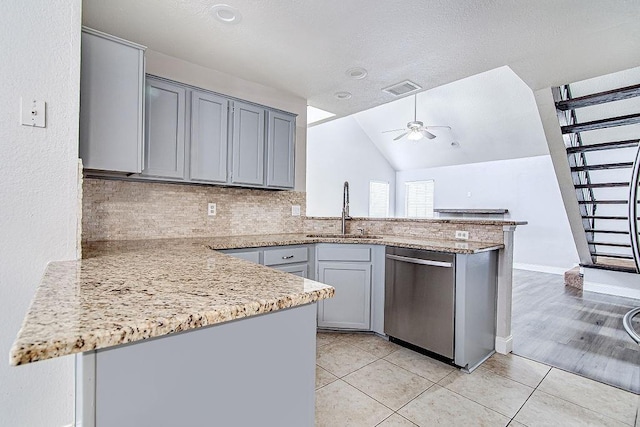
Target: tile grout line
578 404
529 397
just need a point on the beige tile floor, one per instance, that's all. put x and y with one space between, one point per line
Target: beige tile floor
364 380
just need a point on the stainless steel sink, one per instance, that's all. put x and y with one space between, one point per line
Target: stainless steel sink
344 236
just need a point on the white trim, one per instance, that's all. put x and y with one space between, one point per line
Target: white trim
504 345
619 291
617 283
540 268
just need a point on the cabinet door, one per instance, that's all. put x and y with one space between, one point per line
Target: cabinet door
111 103
301 270
350 308
248 144
208 137
165 125
280 150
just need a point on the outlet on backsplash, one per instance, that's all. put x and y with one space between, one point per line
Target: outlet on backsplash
211 209
462 235
295 210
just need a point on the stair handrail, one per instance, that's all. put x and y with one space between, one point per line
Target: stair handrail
633 209
628 326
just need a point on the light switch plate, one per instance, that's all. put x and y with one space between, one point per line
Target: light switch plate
295 210
462 235
211 209
32 112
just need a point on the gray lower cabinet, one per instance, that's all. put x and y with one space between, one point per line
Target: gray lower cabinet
301 270
294 259
208 157
248 144
280 150
111 103
348 268
165 117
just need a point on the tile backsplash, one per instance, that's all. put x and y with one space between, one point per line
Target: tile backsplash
126 210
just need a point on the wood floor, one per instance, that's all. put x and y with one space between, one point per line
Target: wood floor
576 331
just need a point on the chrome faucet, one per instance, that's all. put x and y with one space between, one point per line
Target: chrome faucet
345 207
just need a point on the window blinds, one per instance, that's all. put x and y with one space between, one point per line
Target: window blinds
378 199
419 199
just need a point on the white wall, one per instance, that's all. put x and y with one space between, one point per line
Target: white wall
172 68
40 42
527 187
340 151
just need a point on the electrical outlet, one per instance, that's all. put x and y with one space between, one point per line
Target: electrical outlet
463 235
295 210
211 209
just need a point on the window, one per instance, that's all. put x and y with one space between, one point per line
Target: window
378 199
419 199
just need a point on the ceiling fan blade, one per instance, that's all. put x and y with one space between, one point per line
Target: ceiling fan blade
427 134
400 136
393 130
438 127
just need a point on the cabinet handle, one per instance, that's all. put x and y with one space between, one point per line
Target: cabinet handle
287 257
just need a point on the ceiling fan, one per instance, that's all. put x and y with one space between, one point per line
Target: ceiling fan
416 130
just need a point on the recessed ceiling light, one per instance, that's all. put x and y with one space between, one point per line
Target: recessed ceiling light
342 95
316 114
226 14
357 73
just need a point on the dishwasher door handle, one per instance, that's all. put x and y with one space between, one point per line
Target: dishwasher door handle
420 261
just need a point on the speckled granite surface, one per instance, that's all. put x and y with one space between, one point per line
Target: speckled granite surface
451 246
128 291
125 291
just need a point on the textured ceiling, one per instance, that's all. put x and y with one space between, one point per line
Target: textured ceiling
305 46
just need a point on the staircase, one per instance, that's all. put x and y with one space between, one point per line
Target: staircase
601 136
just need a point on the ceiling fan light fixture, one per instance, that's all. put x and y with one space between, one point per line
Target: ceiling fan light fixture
415 135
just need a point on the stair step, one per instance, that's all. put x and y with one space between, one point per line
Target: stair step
605 217
616 245
609 255
599 98
603 166
595 230
603 202
602 185
602 123
610 267
603 146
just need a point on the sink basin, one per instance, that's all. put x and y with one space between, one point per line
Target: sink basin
345 236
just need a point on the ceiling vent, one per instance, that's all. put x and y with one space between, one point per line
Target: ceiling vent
402 88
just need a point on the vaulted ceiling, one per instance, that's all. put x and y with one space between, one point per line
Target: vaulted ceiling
306 46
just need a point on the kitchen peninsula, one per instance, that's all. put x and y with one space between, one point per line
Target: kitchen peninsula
168 322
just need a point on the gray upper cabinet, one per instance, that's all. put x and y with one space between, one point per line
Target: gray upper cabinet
165 129
248 144
209 115
280 150
111 103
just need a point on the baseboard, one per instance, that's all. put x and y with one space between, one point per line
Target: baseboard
504 345
540 268
612 283
619 291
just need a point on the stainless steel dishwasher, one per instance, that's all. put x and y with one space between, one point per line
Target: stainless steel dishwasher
443 303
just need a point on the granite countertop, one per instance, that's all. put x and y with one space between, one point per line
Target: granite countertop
451 246
128 291
471 221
